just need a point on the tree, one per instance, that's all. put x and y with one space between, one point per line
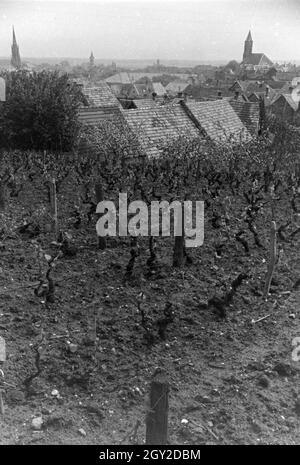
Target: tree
40 112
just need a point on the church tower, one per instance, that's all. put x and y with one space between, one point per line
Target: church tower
15 54
92 60
248 47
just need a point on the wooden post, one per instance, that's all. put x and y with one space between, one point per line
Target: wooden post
53 201
157 417
272 260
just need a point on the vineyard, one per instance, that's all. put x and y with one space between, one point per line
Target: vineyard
87 320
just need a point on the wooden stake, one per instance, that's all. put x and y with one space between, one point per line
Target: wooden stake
53 201
272 259
157 417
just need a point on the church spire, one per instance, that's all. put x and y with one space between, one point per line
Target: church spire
248 47
15 54
249 37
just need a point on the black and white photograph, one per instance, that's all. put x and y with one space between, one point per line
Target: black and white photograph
149 226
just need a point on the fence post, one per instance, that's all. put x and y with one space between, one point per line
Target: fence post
157 417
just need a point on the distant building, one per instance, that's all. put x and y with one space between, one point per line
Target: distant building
15 53
100 105
178 87
254 61
285 107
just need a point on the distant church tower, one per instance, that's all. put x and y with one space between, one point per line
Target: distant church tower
92 60
15 54
248 47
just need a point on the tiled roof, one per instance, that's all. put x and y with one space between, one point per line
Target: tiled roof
100 96
219 120
177 86
248 112
256 59
156 127
145 103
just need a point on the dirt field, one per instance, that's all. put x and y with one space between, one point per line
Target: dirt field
83 363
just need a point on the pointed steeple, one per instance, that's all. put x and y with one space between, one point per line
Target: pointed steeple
15 54
249 37
248 45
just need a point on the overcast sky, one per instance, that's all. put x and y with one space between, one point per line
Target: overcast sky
195 30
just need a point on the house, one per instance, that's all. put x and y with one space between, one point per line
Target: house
285 108
158 89
156 127
266 93
218 121
254 61
100 104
